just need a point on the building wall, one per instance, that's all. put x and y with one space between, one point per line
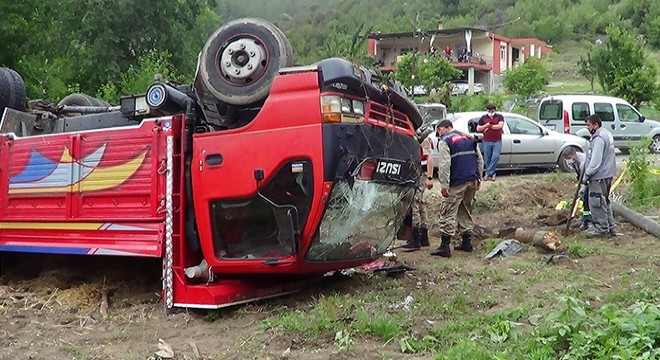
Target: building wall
496 56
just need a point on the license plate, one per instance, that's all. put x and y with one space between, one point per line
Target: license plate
551 127
391 169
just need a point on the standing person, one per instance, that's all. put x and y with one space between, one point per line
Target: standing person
459 174
578 162
448 52
491 125
598 174
420 232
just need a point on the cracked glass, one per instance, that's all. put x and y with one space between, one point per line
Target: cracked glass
360 222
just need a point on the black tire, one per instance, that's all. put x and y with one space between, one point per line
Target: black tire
12 91
561 162
655 145
78 99
240 60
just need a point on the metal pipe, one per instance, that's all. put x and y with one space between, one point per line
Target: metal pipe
637 219
88 109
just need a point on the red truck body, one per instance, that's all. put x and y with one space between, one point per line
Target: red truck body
298 191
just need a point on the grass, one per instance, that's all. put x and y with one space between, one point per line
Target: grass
460 313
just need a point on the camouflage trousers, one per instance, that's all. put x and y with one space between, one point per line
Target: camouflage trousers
456 210
419 207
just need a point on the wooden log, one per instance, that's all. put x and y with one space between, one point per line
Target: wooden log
547 240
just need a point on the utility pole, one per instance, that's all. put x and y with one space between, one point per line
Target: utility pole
415 32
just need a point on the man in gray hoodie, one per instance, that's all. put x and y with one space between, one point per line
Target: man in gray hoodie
599 172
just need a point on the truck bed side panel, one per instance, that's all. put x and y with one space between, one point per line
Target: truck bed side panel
94 192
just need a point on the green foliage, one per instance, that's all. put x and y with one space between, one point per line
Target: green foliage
475 102
343 340
642 15
645 187
622 68
138 78
430 71
587 69
382 326
578 250
82 45
528 79
578 332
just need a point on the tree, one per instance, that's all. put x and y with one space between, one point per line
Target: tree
622 68
586 68
528 79
430 71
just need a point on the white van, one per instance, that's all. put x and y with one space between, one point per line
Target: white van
567 113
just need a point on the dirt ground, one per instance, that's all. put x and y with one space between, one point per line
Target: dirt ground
51 307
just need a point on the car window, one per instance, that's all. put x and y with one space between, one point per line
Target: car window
580 111
472 125
551 110
521 126
605 111
627 113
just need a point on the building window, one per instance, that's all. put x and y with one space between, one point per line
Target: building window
503 62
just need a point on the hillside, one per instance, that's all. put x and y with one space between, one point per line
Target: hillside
320 28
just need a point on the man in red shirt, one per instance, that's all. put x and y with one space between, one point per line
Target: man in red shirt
491 125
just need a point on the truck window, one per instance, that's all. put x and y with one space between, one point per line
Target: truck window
627 113
605 111
580 111
551 110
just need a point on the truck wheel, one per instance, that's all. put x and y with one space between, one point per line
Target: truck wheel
655 145
12 90
561 162
239 61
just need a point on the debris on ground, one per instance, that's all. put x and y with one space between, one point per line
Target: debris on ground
405 304
555 259
506 248
165 351
373 265
395 269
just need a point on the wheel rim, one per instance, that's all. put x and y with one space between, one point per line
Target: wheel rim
655 147
243 60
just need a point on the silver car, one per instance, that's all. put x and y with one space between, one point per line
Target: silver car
525 142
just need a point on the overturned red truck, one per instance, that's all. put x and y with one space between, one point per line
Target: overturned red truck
247 183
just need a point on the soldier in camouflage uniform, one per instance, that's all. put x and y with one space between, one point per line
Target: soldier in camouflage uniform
420 234
460 169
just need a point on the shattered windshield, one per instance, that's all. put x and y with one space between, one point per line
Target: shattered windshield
360 222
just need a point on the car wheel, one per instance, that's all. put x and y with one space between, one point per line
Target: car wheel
12 90
240 60
562 163
655 145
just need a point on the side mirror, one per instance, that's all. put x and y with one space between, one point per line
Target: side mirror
642 118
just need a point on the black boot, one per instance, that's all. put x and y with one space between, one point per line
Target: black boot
424 237
466 244
443 250
412 244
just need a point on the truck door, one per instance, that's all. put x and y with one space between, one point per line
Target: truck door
253 193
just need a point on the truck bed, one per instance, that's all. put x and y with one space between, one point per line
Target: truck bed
92 192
